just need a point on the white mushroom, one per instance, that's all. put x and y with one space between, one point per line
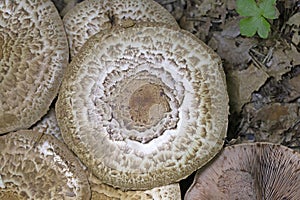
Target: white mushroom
249 171
91 16
144 106
33 55
36 166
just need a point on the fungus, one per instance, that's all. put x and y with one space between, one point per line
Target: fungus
249 171
100 191
91 16
33 55
48 125
103 191
36 166
140 103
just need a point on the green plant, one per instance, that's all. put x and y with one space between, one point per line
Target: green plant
256 16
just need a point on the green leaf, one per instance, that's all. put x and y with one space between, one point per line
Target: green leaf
247 8
263 28
248 26
268 8
256 16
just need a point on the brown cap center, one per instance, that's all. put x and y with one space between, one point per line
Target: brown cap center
148 104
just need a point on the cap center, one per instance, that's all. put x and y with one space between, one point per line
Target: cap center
148 104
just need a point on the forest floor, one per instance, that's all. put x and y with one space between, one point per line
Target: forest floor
263 75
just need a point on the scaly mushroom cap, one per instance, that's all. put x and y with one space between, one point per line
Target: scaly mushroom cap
106 192
36 166
33 54
100 191
249 171
91 16
144 106
48 125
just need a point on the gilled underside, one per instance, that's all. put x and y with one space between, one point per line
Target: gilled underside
250 172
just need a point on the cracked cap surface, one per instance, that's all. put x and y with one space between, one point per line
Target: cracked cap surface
36 166
179 127
91 16
33 56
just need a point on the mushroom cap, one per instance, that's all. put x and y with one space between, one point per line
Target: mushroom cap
143 106
249 171
36 166
33 55
100 191
48 125
91 16
106 192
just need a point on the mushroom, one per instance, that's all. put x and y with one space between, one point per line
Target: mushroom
249 171
91 16
33 55
100 191
144 106
48 125
103 191
36 166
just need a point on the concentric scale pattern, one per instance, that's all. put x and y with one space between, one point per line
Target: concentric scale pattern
144 106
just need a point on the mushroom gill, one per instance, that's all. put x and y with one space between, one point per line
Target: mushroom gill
36 166
91 16
33 56
249 171
140 103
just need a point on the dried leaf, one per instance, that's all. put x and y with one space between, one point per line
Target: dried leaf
241 84
294 20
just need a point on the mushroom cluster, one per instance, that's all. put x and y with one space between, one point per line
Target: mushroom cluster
141 105
100 191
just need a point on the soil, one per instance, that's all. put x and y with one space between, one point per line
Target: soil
263 75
